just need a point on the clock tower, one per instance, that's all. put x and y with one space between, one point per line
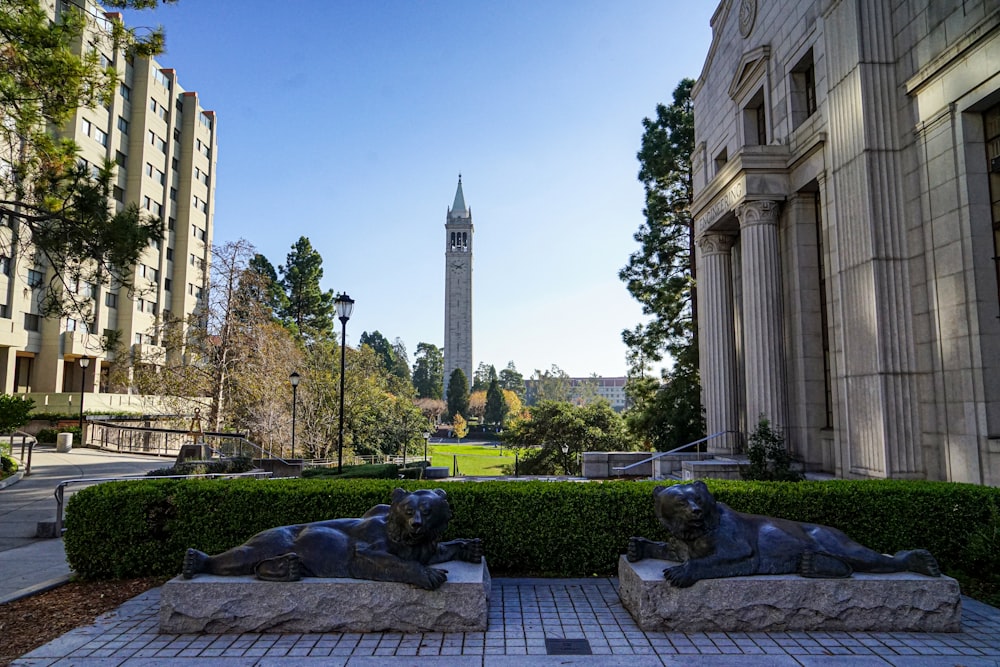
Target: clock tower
458 289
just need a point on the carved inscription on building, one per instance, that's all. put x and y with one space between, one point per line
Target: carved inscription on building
722 205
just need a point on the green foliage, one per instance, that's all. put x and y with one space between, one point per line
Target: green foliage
15 412
428 371
667 415
511 380
769 459
554 426
55 206
392 355
483 375
496 404
308 307
8 465
560 529
50 435
458 394
661 277
231 466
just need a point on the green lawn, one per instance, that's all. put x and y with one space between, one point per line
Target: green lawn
475 460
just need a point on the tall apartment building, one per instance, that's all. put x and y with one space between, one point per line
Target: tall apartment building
164 145
847 213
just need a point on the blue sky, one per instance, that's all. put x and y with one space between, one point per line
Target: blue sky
349 122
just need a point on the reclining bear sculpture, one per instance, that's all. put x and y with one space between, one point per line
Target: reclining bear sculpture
395 542
713 541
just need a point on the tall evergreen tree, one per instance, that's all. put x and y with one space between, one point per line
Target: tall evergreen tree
428 371
496 406
309 308
264 288
661 276
458 393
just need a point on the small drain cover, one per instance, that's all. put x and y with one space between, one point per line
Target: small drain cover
555 646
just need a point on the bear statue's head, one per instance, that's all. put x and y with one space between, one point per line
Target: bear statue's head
687 511
418 517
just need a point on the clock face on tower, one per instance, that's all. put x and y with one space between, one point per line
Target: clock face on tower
457 265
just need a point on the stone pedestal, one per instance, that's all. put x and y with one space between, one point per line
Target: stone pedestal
217 605
898 602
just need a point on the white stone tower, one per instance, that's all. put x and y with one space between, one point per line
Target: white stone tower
458 288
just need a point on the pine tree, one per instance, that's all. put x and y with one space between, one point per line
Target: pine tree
309 308
496 406
428 371
458 393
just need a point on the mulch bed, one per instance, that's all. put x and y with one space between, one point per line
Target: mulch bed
31 622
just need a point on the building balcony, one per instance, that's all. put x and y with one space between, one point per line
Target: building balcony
77 343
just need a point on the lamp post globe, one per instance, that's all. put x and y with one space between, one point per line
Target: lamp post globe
345 306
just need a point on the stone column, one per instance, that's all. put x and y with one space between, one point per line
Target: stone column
763 337
717 340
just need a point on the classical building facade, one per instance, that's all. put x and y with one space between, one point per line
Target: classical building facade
458 288
847 218
164 145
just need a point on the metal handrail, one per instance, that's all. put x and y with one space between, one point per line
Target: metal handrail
60 492
27 441
672 451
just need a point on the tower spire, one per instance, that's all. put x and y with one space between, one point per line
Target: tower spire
458 208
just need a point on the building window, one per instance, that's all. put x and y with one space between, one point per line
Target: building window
721 158
803 89
991 126
86 126
174 164
4 311
121 159
170 254
161 79
30 322
111 300
70 324
755 121
35 278
5 265
173 194
205 120
167 284
100 136
124 91
172 224
118 194
122 125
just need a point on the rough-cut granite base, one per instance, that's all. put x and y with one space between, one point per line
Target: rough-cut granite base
902 602
217 605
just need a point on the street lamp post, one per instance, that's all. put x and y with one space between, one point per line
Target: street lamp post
345 305
294 379
427 439
84 362
565 450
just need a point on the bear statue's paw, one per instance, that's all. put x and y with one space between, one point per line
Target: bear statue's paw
818 565
283 568
920 561
431 578
194 563
472 550
636 549
679 576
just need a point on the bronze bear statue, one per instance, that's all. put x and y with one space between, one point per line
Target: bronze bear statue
395 542
712 541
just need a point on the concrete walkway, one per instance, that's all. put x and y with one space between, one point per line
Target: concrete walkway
532 621
29 564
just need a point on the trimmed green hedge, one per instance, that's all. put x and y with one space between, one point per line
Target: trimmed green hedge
529 528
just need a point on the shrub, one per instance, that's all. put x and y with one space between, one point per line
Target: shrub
8 466
47 435
15 412
531 528
769 459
